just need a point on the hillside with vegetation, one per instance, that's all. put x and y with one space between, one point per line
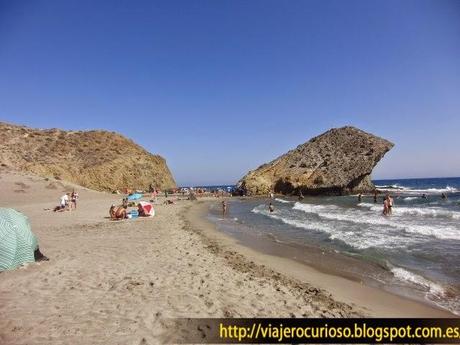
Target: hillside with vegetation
97 159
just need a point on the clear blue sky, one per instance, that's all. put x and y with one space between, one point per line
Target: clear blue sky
219 87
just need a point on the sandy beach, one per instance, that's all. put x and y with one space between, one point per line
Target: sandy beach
119 282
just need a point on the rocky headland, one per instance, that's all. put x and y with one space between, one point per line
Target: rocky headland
336 162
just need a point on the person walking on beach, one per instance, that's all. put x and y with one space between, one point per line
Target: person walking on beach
224 208
271 208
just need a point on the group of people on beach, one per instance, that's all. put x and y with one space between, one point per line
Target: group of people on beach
67 202
121 212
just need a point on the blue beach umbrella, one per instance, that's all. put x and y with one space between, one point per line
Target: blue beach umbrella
17 242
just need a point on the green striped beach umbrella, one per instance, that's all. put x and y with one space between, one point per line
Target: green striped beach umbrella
17 242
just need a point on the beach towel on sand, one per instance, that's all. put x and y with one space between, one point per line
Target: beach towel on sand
17 242
135 196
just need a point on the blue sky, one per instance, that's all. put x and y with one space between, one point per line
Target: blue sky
219 87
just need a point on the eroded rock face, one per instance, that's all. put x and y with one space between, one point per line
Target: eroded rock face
98 160
336 162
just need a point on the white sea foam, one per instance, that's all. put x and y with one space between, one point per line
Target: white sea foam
357 217
283 201
408 190
415 211
359 240
409 198
406 276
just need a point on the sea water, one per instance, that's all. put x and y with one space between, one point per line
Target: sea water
418 245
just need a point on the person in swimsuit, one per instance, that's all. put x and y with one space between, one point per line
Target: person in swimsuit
118 212
271 208
385 206
390 205
224 208
73 199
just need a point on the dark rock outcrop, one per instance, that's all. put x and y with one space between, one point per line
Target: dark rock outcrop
98 160
336 162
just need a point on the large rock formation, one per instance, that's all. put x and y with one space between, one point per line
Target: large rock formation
336 162
98 160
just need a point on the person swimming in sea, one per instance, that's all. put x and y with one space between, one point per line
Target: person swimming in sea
360 197
271 208
443 196
423 196
375 196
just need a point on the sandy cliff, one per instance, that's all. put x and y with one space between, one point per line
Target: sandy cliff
99 160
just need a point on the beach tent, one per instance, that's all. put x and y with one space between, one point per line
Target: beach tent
135 196
148 208
17 242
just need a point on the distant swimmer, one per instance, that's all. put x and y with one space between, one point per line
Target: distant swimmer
224 208
375 196
360 197
271 208
423 196
443 196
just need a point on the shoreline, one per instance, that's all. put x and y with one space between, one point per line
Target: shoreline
369 300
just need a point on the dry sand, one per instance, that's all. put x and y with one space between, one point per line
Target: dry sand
119 282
